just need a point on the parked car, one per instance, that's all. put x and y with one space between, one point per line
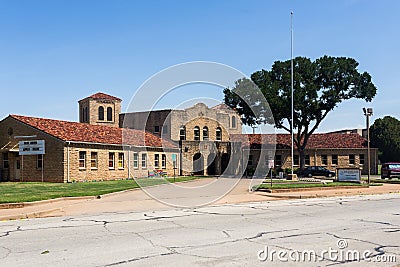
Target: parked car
390 169
311 171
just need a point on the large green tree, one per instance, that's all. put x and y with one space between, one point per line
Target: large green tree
385 135
319 86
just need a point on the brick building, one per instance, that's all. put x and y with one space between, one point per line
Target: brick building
200 140
331 150
86 150
203 134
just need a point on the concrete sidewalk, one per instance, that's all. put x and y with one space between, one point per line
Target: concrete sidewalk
138 200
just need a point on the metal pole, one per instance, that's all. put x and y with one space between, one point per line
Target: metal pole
42 166
369 160
291 78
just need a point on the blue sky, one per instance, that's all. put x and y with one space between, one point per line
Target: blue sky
54 53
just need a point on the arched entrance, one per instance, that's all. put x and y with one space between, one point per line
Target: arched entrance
211 164
198 164
224 162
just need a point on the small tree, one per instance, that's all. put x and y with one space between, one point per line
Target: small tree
319 86
385 135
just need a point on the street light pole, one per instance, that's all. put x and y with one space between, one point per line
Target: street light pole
291 82
368 112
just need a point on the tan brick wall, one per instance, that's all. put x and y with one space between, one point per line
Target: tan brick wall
53 159
342 154
104 172
93 110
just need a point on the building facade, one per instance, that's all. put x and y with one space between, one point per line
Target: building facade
198 140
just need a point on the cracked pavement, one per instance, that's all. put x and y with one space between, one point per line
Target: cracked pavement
221 235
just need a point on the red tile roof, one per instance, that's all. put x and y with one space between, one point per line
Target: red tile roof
83 132
282 141
100 95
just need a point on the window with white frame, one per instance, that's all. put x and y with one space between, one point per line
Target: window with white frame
121 162
163 161
196 133
182 133
156 160
135 160
93 160
144 161
218 134
111 160
82 159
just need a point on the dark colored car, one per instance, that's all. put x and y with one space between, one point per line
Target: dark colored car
390 169
317 171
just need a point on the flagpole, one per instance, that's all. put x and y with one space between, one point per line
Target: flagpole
291 80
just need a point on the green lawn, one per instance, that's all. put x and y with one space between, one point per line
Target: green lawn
305 185
11 192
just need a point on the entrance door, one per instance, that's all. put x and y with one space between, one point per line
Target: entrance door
17 169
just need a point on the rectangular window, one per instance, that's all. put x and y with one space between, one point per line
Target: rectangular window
307 159
135 160
182 133
165 129
121 162
296 161
324 159
278 160
6 163
250 161
156 160
39 162
144 161
82 159
334 159
111 160
164 161
362 159
156 129
93 160
352 159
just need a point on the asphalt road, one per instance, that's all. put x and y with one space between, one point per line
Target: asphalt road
310 232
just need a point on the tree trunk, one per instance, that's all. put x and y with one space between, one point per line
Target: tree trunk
302 159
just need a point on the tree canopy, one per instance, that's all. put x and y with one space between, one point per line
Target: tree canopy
319 86
385 135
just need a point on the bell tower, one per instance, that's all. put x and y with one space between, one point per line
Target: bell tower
100 109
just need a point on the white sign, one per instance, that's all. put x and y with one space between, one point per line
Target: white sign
271 163
349 175
32 147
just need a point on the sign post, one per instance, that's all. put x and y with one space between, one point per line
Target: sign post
174 164
271 165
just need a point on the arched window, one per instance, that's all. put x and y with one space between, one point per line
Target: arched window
218 134
86 114
205 133
109 114
182 133
233 124
196 133
82 114
101 113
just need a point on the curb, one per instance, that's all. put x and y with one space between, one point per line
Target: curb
40 202
288 190
39 214
323 196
